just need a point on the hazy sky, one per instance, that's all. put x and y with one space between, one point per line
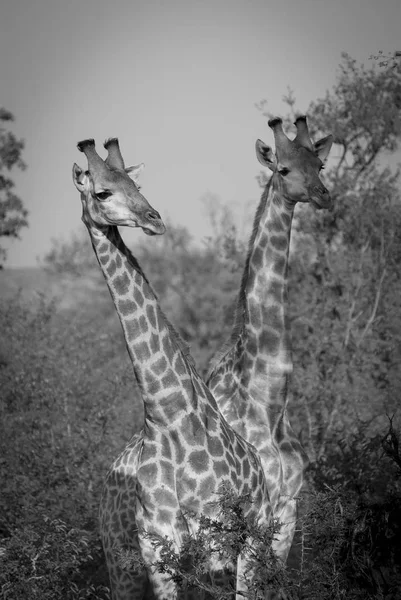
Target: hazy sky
176 81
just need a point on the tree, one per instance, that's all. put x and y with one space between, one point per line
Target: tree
12 211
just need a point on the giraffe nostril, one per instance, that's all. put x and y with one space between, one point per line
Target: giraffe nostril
153 215
323 192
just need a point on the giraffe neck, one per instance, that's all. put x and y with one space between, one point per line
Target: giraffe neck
262 302
159 357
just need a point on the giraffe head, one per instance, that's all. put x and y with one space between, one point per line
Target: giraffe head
109 195
297 163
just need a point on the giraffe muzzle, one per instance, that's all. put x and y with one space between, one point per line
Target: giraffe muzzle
152 223
321 199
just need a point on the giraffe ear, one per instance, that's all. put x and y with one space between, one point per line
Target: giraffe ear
135 171
265 155
80 178
323 147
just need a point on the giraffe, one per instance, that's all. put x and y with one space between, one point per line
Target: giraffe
249 377
186 452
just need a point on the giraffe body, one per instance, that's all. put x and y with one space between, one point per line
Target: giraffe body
186 452
251 374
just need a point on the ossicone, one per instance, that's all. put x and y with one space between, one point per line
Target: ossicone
302 138
275 122
95 163
114 158
85 143
282 141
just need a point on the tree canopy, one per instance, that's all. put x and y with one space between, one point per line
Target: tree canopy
13 214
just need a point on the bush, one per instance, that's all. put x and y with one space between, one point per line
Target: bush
351 526
60 429
46 560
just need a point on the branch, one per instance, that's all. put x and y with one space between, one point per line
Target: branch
368 162
333 412
311 448
305 311
378 291
391 445
351 318
337 169
374 311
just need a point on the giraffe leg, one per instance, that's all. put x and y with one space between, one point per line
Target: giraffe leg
162 585
286 514
243 575
126 585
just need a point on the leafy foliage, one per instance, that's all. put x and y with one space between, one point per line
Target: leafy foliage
219 541
12 212
61 414
74 256
351 523
44 562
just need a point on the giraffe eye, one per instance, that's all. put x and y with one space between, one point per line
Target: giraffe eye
103 195
284 171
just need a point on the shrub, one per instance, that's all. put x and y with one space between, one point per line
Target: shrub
46 561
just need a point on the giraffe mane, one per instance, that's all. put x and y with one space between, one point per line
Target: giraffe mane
183 346
240 309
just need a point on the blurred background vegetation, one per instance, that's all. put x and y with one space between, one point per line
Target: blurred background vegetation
69 401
